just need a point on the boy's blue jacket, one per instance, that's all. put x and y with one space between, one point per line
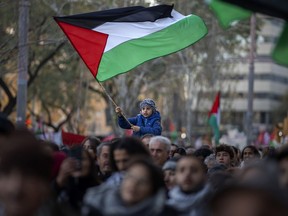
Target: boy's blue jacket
150 125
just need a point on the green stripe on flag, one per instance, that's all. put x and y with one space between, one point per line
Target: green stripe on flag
214 125
166 41
228 13
280 52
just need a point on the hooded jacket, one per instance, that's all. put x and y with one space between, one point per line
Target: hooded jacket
149 125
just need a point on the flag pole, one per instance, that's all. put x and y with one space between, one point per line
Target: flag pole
113 102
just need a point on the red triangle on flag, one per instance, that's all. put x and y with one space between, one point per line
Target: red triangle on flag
216 105
89 44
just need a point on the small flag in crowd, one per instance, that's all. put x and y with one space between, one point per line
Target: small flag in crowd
228 13
214 118
114 41
71 138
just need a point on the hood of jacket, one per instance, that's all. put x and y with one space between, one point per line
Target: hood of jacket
154 116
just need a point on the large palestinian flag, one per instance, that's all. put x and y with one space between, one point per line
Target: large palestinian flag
114 41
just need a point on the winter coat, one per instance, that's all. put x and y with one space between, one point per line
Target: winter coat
106 201
149 125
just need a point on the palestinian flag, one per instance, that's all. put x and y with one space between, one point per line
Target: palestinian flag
214 118
227 13
114 41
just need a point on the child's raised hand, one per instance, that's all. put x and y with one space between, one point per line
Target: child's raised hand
135 128
118 110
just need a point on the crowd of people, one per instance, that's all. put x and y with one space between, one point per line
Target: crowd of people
141 176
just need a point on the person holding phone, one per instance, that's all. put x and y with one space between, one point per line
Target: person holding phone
77 173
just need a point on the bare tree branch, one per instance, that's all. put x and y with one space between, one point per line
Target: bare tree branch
43 63
12 100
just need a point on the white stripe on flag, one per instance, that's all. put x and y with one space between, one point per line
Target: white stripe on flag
120 32
218 116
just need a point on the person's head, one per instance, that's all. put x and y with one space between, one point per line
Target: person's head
224 155
25 173
202 153
173 148
142 180
268 152
146 139
219 180
179 153
123 149
210 161
216 168
86 166
239 200
249 153
159 147
190 150
90 144
190 174
169 173
147 107
236 157
260 173
103 157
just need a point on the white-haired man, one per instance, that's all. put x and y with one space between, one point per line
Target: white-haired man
159 147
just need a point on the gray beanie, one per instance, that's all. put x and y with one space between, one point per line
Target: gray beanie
148 102
169 165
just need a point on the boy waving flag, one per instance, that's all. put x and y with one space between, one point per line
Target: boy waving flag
114 41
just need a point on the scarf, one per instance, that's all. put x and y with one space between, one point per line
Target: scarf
107 200
187 203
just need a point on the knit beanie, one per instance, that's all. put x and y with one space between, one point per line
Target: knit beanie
148 102
169 165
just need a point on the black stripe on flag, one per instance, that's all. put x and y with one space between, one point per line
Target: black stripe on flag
127 14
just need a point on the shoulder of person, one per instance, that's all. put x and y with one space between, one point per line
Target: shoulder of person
156 117
95 194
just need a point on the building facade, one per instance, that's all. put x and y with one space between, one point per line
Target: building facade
270 79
